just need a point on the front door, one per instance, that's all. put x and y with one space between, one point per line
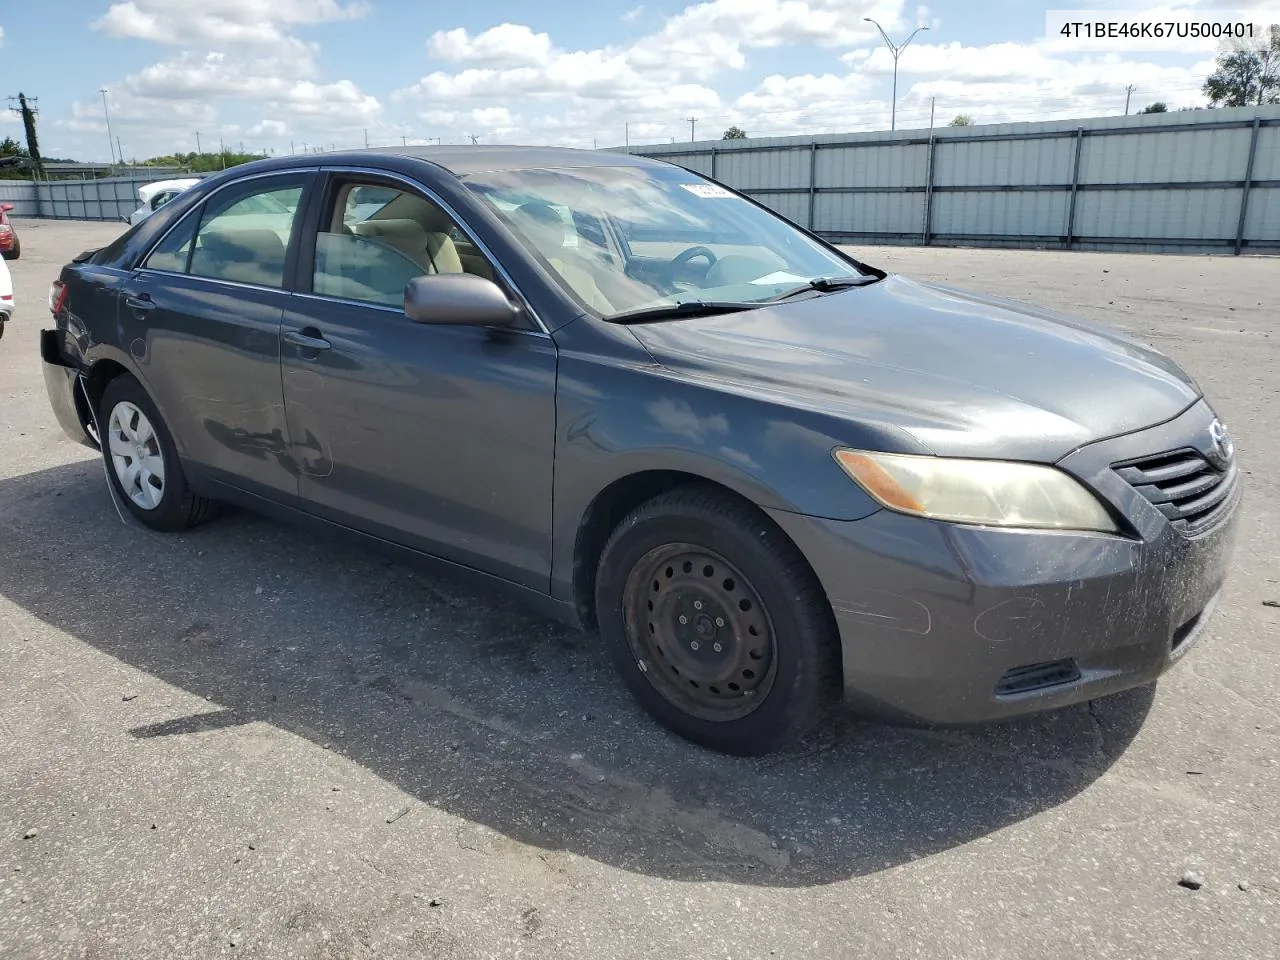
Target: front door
209 299
437 437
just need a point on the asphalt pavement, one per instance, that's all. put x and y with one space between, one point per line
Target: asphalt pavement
246 740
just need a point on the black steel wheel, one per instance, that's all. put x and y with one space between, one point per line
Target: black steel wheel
699 631
716 622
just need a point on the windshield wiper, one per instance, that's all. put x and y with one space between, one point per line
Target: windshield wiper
824 285
677 311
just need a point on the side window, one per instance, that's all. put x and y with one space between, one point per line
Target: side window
174 250
245 241
378 238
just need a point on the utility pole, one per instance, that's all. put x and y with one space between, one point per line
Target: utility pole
198 147
626 133
26 110
693 124
290 148
119 151
404 141
111 146
897 52
474 139
366 138
1128 92
932 103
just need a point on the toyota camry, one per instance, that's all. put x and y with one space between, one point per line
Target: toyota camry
771 477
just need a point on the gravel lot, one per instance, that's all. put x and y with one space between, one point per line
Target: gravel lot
246 741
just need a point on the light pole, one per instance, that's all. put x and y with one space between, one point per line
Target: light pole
897 52
111 144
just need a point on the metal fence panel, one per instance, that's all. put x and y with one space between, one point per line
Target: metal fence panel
1159 214
1174 181
993 214
1262 222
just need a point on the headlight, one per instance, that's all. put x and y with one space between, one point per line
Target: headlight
993 492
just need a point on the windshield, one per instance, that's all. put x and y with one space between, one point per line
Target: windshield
628 238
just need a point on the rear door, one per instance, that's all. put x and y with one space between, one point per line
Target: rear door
205 307
437 437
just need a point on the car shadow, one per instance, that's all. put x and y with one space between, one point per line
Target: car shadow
474 706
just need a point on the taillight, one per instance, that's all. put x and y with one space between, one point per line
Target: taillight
57 297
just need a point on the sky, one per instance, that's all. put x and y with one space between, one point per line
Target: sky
281 75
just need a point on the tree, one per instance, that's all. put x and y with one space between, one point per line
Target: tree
204 162
961 120
734 133
14 162
1158 107
1248 72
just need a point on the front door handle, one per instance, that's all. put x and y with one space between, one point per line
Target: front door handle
306 340
139 302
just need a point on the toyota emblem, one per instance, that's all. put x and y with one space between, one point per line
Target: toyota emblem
1222 447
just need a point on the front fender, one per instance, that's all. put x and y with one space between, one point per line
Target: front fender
615 420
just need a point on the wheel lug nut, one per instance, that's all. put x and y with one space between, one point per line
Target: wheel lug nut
697 604
683 618
716 647
719 621
693 644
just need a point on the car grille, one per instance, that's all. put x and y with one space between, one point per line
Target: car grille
1191 492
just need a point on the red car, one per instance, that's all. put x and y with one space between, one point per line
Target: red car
10 248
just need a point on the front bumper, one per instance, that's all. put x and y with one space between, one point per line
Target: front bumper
945 623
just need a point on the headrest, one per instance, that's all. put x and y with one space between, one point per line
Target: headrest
400 229
243 245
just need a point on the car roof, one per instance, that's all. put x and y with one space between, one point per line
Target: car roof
463 160
460 160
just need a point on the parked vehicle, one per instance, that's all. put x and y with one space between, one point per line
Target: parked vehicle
156 195
6 296
10 246
764 470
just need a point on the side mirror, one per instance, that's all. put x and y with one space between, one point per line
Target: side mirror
458 299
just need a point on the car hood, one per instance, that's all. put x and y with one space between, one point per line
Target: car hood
962 374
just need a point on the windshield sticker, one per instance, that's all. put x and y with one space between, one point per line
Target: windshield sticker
707 191
780 277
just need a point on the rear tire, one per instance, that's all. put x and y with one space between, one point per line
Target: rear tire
716 623
142 462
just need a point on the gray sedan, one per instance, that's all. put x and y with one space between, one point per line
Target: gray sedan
772 477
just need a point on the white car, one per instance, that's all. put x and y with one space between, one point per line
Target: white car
6 295
156 195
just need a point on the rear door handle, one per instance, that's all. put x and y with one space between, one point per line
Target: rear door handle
139 301
300 338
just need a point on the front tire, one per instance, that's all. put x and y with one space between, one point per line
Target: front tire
716 622
142 462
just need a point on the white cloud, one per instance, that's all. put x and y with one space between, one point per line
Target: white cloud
506 45
219 21
252 61
237 57
270 129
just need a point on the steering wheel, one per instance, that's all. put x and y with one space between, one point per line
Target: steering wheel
681 259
